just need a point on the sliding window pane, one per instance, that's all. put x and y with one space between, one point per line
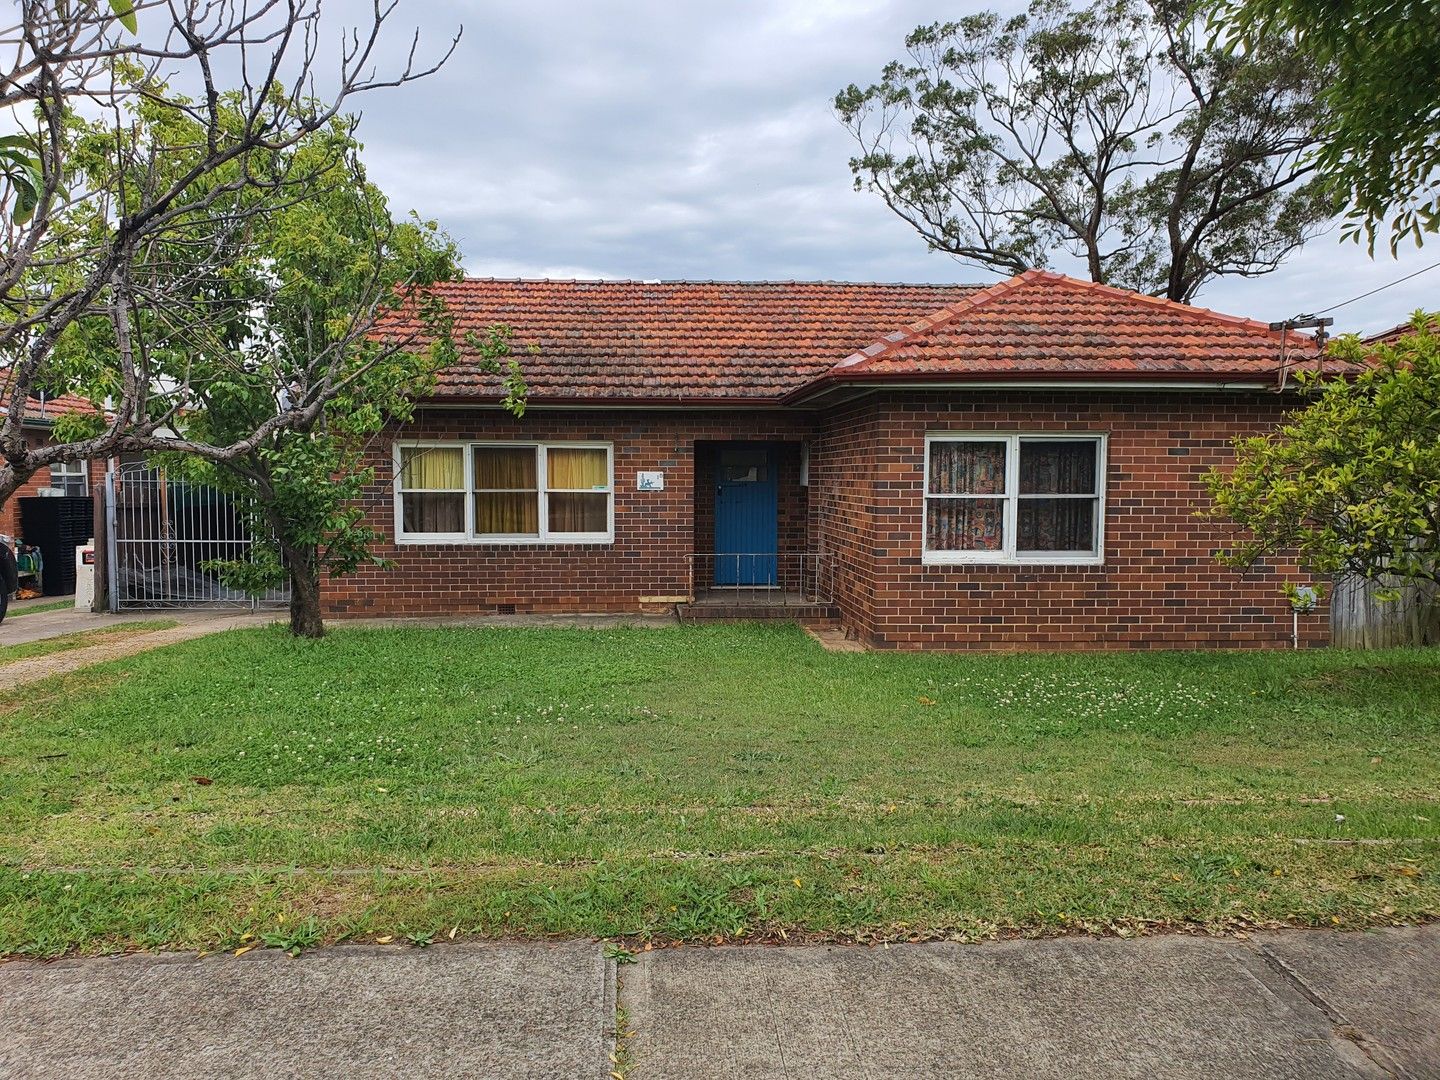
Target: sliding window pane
506 468
432 468
1058 466
438 512
967 468
1066 525
579 512
965 524
507 513
577 469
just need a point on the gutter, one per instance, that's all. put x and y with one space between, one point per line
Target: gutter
811 394
1228 382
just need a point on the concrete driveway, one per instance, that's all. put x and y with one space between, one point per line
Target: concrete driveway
1312 1005
41 625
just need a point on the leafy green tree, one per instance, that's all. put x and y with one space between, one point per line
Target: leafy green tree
244 334
1112 132
304 489
1381 101
1351 481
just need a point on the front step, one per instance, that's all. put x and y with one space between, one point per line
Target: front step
742 612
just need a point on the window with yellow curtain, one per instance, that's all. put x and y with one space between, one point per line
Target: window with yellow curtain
577 489
498 492
432 490
507 491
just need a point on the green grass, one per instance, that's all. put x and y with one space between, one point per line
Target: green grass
707 783
58 605
79 640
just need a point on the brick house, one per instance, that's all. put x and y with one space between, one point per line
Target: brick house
935 467
74 479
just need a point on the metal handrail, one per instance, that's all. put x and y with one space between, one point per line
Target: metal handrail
783 578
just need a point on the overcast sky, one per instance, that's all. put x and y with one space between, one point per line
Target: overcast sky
651 139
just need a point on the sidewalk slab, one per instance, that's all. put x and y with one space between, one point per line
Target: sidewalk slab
504 1011
1384 985
1173 1007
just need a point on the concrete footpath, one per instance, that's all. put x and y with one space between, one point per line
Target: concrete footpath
1312 1005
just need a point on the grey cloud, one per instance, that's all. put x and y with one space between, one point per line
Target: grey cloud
679 140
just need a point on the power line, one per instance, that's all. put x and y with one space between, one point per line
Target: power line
1382 288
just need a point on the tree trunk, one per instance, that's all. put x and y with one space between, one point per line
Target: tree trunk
305 618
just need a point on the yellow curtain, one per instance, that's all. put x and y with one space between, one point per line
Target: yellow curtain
505 467
576 468
432 468
578 512
510 513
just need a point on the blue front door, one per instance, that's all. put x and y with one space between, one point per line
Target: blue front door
746 519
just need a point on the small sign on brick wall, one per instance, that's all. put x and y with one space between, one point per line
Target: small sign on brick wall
650 481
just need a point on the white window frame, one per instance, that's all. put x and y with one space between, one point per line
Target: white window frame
1010 499
68 470
469 536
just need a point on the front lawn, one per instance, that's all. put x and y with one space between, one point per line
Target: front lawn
706 783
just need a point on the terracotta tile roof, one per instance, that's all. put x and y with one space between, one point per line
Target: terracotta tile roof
757 342
1046 325
1395 333
45 413
679 340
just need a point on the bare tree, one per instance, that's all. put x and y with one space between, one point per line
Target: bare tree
125 200
1113 132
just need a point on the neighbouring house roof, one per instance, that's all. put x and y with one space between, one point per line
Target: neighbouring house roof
43 413
771 342
1395 333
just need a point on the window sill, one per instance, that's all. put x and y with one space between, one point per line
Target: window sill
511 541
934 559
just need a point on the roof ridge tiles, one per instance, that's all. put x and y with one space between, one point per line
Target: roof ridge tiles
753 282
948 312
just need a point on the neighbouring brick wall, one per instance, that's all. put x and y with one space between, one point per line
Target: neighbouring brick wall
1159 587
654 531
10 512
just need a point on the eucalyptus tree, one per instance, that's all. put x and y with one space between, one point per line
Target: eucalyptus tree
1117 133
1381 150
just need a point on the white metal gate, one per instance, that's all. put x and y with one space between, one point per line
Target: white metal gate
163 532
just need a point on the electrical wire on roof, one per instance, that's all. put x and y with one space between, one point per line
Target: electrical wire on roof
1301 322
1382 288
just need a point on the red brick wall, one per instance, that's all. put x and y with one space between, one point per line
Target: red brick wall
654 531
1159 586
10 512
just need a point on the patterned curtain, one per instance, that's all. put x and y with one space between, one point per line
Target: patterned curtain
967 468
965 525
1056 525
1057 468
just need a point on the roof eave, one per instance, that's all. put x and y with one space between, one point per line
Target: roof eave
1178 380
472 401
